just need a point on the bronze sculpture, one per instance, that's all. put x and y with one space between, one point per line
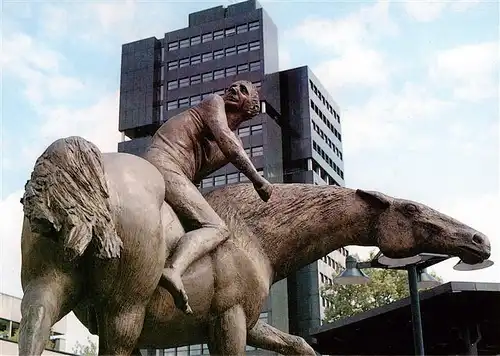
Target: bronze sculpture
185 149
107 211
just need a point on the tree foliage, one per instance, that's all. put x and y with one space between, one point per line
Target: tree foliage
85 350
386 286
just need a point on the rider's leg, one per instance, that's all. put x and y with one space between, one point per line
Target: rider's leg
188 202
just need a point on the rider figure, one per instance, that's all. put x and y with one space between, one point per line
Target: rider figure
185 149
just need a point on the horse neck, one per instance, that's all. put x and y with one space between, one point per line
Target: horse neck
309 222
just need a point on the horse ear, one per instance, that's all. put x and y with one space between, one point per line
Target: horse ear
375 199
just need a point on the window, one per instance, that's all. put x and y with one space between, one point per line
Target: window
219 74
218 34
257 84
244 131
172 65
254 66
243 178
219 54
232 178
183 82
206 37
195 59
257 151
253 26
242 48
230 51
195 100
184 103
172 85
173 45
220 180
170 352
195 79
172 105
206 77
230 71
206 57
195 40
195 350
254 45
256 129
184 43
243 68
230 31
184 62
242 28
248 151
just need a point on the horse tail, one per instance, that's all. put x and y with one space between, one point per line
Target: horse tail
67 199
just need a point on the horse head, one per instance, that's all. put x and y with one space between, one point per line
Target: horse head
404 228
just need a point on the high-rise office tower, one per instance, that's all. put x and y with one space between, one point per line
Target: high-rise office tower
295 138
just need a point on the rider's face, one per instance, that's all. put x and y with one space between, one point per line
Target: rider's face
238 96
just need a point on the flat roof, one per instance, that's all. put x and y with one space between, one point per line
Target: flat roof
452 313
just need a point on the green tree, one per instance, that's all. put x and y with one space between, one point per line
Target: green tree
85 350
385 286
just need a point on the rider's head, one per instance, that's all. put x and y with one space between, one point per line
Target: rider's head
243 96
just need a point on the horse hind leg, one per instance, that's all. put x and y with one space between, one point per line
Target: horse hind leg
46 300
120 328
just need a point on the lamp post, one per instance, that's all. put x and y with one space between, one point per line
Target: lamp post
417 278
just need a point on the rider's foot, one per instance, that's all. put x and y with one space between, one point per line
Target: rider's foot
172 281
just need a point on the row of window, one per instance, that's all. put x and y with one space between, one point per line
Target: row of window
332 263
213 75
327 159
225 179
325 102
327 140
250 130
325 120
215 35
325 303
318 169
325 279
186 102
210 56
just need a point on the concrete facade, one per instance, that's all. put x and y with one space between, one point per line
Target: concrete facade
295 138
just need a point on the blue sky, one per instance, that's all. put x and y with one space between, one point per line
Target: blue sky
417 84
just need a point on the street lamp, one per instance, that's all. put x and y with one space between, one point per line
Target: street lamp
417 277
352 274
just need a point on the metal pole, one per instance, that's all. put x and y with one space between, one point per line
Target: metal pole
418 339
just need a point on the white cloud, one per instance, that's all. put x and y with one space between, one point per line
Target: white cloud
10 242
350 41
380 121
431 10
424 10
481 213
470 71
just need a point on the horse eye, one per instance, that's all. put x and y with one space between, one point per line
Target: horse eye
244 89
411 208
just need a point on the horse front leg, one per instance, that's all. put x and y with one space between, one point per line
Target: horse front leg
264 336
46 300
227 333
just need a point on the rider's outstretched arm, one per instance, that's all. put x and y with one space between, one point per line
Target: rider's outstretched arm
230 145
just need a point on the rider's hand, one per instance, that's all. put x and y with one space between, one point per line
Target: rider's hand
264 189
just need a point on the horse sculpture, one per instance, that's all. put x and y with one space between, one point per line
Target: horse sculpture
97 233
